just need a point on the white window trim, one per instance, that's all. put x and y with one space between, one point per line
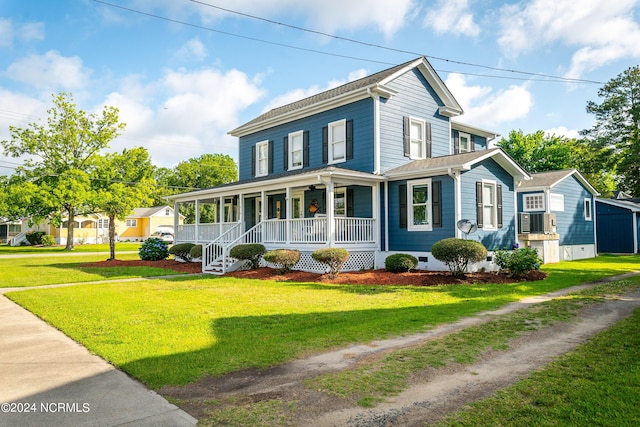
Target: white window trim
410 225
342 123
131 223
343 193
494 211
290 149
258 145
460 136
423 145
588 213
559 200
532 195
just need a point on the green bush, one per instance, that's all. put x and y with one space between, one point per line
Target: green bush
285 258
34 237
458 253
196 252
154 249
182 251
398 263
518 261
251 252
334 258
48 240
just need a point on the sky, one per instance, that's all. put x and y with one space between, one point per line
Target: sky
183 73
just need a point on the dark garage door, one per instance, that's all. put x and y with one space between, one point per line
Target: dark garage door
615 233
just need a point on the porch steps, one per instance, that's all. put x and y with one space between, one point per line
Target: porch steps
218 268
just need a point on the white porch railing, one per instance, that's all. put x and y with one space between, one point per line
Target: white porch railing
206 232
315 231
355 230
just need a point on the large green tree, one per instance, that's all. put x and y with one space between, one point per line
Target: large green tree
121 182
617 127
54 179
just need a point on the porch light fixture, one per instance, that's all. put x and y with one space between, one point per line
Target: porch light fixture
312 188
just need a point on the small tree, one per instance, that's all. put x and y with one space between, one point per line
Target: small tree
458 253
334 258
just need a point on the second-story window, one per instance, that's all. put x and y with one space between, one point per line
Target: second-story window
262 158
337 142
296 150
416 136
465 143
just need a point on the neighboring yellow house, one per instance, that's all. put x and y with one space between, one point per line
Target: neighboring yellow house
94 228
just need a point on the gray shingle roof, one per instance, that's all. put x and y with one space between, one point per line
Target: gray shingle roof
438 163
547 179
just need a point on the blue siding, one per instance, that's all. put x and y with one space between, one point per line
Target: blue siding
361 112
615 229
400 239
492 239
414 98
479 142
571 224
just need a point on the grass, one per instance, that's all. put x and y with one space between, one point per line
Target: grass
38 271
17 250
176 331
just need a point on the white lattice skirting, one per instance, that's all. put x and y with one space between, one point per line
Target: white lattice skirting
363 260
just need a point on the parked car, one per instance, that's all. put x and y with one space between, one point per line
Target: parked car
163 235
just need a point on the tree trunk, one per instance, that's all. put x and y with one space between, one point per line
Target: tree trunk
112 237
70 221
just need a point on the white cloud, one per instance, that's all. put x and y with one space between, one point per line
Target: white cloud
483 107
452 16
563 131
193 49
600 31
50 71
24 32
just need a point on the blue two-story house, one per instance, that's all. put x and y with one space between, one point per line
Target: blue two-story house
376 166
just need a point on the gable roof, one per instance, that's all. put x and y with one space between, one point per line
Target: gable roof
350 92
548 180
458 162
625 204
148 212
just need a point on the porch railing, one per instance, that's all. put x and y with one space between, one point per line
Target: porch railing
315 230
206 232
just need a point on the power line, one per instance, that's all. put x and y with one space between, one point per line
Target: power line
545 77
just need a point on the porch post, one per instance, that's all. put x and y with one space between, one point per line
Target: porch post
220 214
263 211
240 208
331 226
375 206
176 220
197 220
288 216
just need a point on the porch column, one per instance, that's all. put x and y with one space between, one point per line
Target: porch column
176 220
263 211
331 226
288 217
375 206
240 208
197 220
220 214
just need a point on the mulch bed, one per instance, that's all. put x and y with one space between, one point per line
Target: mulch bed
367 277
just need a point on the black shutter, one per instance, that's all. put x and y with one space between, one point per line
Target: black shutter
436 203
479 204
499 202
472 143
349 139
285 153
406 136
305 148
270 208
270 159
402 197
253 160
350 202
427 136
325 145
456 142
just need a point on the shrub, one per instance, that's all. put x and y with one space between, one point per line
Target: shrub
34 237
285 258
196 252
458 253
398 263
334 258
518 261
154 249
251 252
48 240
182 251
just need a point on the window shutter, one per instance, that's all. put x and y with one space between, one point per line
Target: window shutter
479 204
350 202
325 144
436 203
406 136
499 203
270 159
285 153
349 139
427 136
456 142
403 205
270 208
305 148
472 142
253 160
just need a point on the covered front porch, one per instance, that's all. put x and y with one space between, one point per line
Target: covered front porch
329 207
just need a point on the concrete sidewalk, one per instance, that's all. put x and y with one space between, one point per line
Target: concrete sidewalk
47 379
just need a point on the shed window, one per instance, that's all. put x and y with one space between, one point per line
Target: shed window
587 209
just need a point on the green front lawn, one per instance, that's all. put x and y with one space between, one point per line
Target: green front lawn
39 271
120 247
179 330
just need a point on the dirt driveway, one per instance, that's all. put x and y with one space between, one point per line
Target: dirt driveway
431 394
